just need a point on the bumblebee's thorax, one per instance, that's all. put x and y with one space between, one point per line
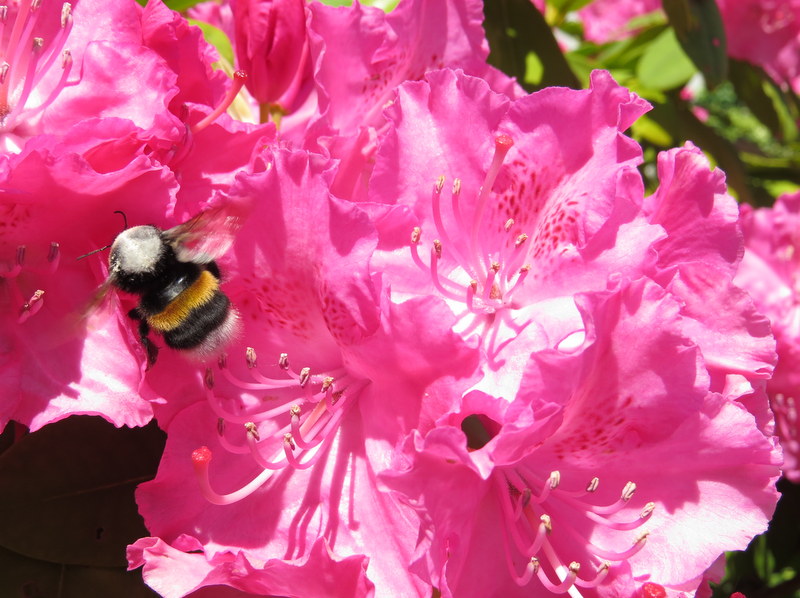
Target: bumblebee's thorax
141 262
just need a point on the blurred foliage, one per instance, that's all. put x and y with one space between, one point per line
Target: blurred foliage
769 566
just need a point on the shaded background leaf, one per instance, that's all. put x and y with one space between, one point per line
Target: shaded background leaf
699 29
68 500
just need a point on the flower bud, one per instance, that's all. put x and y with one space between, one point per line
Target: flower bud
270 38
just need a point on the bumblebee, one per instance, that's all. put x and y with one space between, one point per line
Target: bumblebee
177 280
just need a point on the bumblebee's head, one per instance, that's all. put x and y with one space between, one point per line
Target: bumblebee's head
138 255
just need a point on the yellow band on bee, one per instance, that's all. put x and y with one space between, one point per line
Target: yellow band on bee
201 291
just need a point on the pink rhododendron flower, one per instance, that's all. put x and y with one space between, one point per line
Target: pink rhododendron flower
583 480
765 33
770 272
378 52
523 212
538 203
60 191
296 444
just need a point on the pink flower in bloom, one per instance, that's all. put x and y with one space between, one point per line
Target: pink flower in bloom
522 216
765 33
378 52
770 272
116 140
522 213
296 444
583 481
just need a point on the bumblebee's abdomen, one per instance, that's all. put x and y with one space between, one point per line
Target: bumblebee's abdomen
193 314
200 325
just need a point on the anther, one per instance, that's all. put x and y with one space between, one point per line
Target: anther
37 44
574 567
305 374
288 440
251 357
3 13
35 4
555 479
520 240
53 252
66 59
437 248
252 430
222 360
294 410
221 426
647 510
327 382
66 13
457 186
3 72
628 491
593 484
534 564
283 361
509 223
547 522
416 233
208 379
495 267
439 184
31 306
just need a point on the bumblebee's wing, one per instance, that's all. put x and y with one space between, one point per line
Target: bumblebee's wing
205 237
99 298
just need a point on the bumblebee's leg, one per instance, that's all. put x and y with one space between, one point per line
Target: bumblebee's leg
144 330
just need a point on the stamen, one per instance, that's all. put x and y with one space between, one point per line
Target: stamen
239 78
471 289
521 275
602 573
565 585
250 358
201 458
488 286
66 14
32 306
502 144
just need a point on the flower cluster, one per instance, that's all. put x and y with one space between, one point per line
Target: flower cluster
470 340
770 272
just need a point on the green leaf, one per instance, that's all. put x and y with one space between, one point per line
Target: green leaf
664 65
217 38
516 28
179 5
699 29
68 491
